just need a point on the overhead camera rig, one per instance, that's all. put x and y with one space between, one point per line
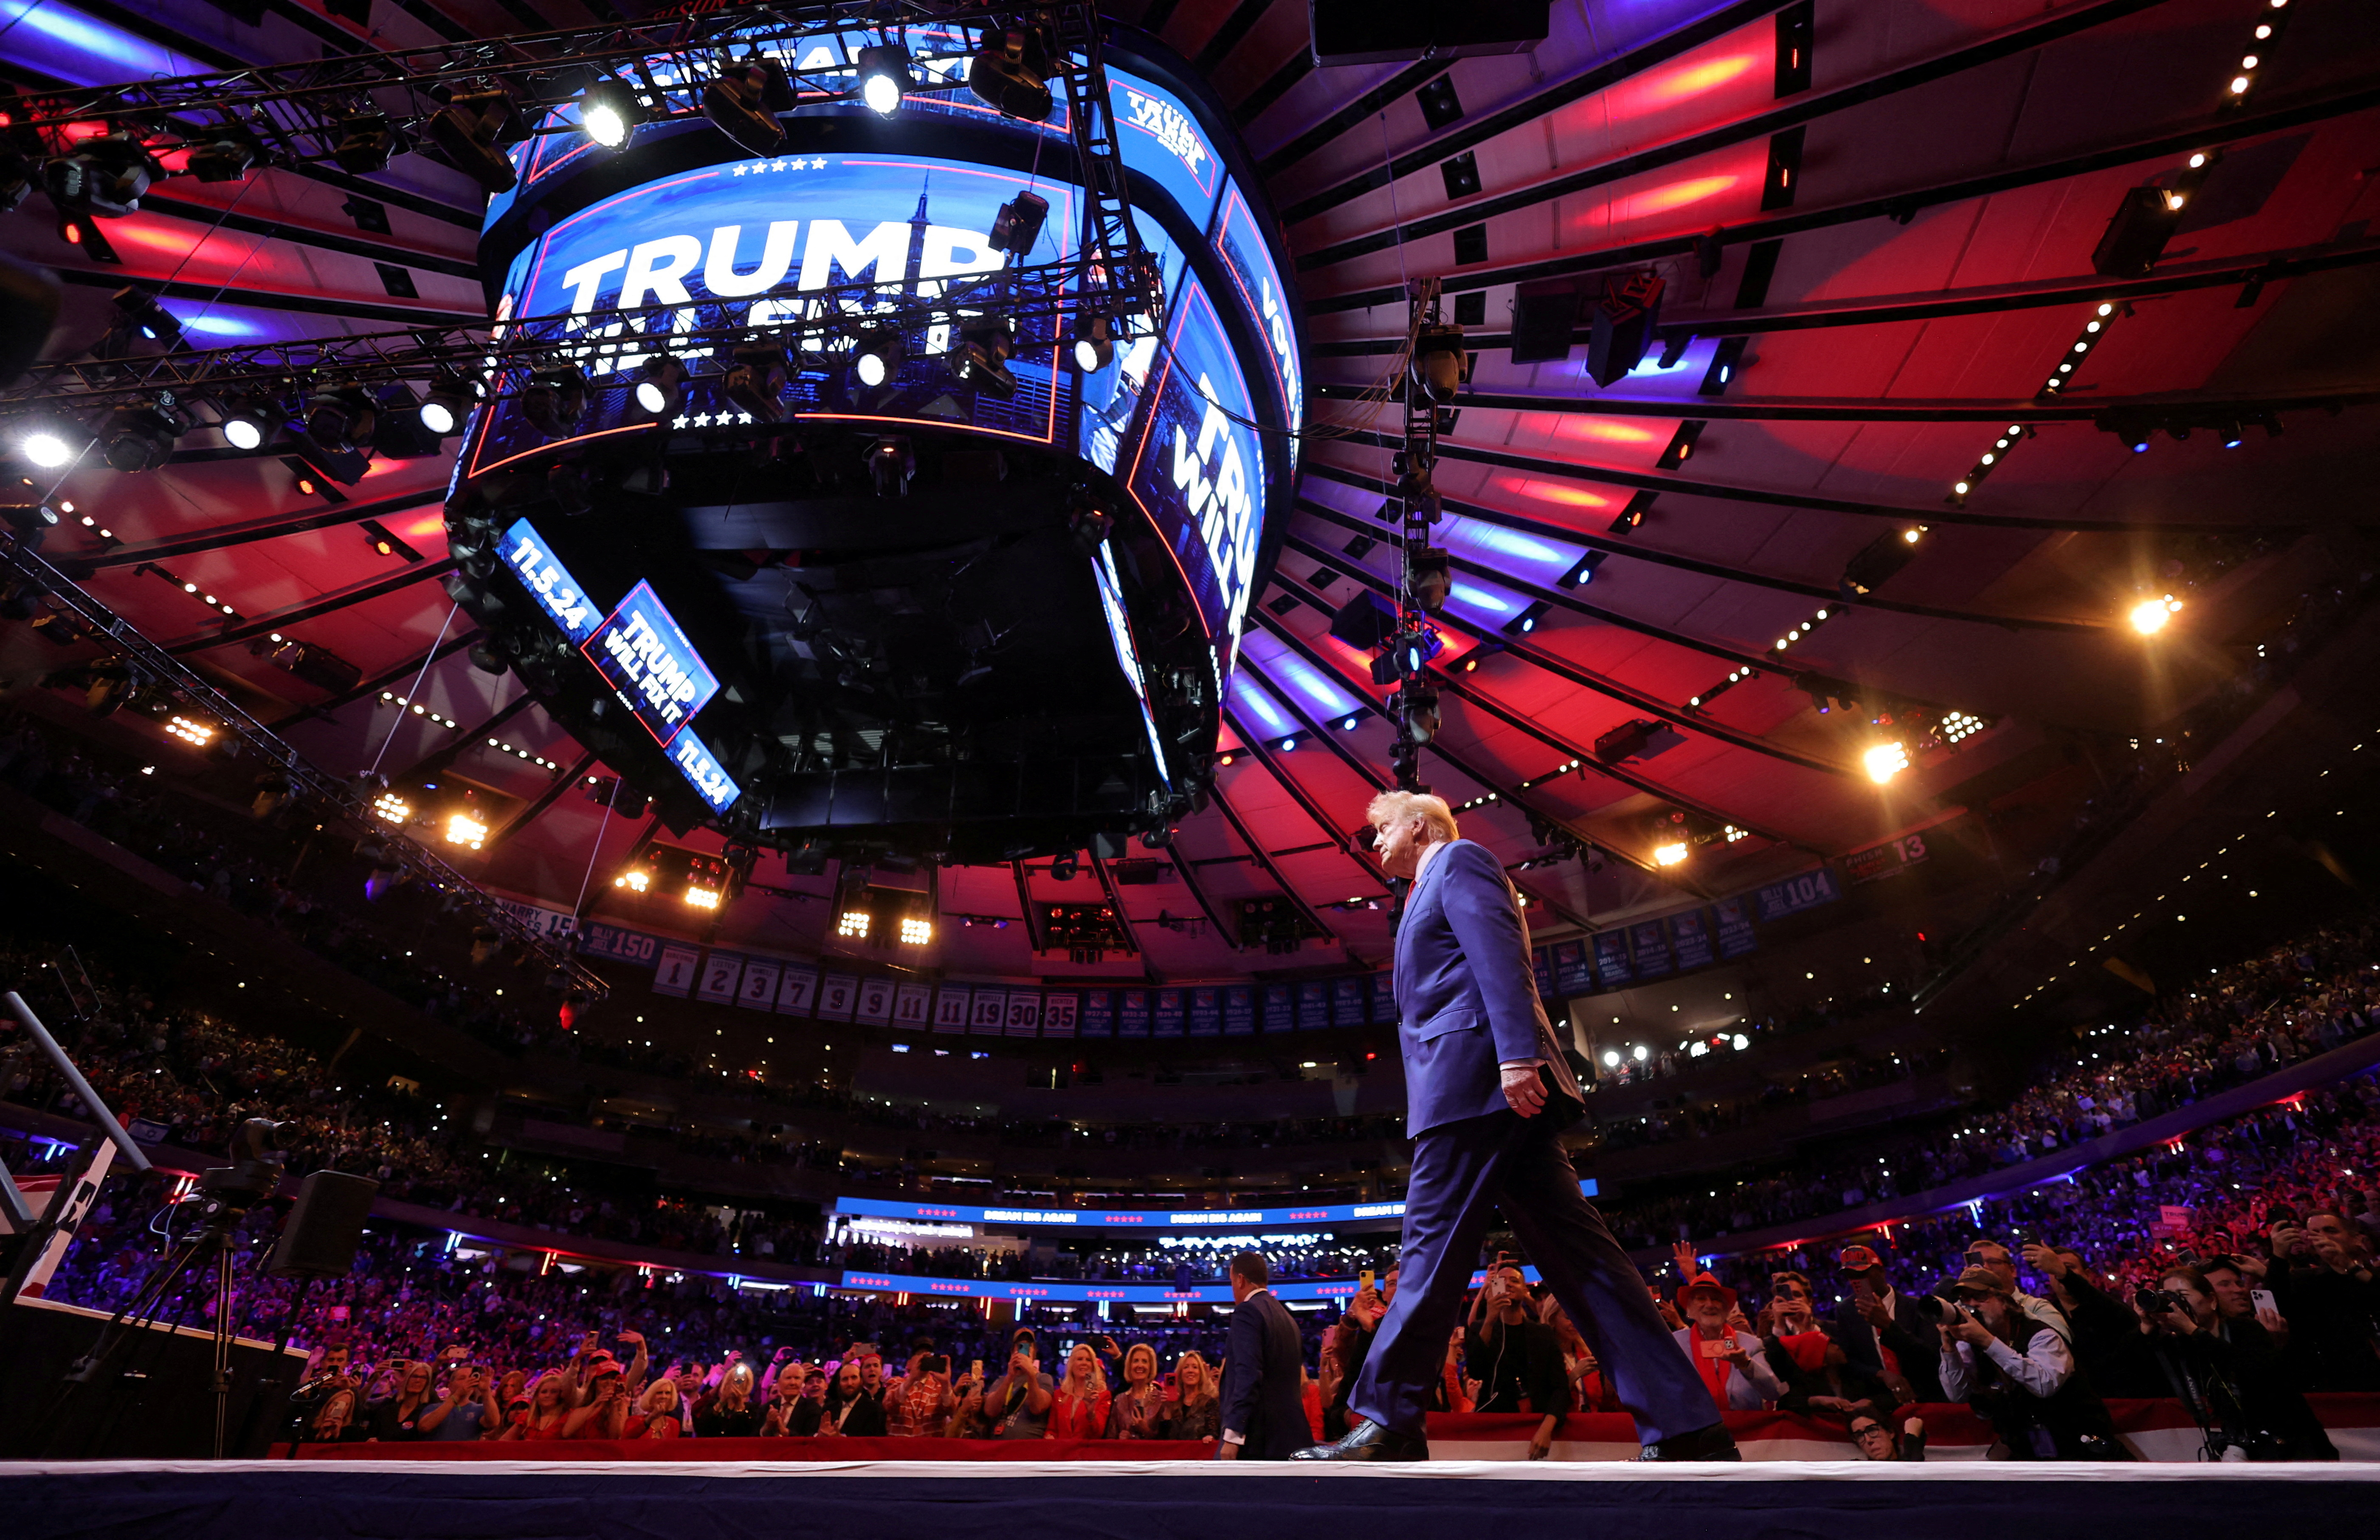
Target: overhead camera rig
472 100
144 661
1436 367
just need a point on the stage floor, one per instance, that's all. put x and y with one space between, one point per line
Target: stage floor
1161 1500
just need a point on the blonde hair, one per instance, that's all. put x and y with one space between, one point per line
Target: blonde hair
1397 806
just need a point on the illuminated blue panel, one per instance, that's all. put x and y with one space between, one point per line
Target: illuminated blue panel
1473 596
1206 1220
1286 667
1258 708
1240 241
1128 1293
1110 586
640 651
1507 550
62 42
703 772
548 581
1199 471
1157 138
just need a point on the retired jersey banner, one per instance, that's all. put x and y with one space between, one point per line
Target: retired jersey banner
797 991
1061 1012
875 1003
838 994
674 974
719 978
913 1005
950 1003
759 990
1024 1013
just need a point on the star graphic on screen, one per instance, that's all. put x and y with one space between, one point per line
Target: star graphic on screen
780 165
703 421
741 166
819 164
681 421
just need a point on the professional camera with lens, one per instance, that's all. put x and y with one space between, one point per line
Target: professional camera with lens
2160 1301
1931 1309
257 1146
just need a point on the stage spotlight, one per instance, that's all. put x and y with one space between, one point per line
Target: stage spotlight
609 110
1886 760
462 828
553 401
884 78
852 924
736 105
891 464
1416 705
342 421
450 400
466 129
1011 78
47 450
916 932
981 358
227 158
660 387
1094 344
1439 366
29 521
105 177
251 422
757 382
1016 227
1670 854
365 143
142 313
2150 616
141 438
877 355
1429 577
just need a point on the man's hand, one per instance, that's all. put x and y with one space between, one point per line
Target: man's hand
1871 1309
1524 1090
1731 1352
2043 1260
587 1343
634 1338
2274 1328
1966 1328
1227 1450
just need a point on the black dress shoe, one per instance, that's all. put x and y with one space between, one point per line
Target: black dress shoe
1705 1443
1369 1440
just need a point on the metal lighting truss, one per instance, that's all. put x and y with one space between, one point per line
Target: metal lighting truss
157 667
300 112
607 344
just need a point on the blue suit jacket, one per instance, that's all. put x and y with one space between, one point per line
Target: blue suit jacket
1262 1398
1466 993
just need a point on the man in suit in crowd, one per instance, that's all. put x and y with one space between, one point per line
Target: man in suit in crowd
1876 1316
1487 1094
1264 1406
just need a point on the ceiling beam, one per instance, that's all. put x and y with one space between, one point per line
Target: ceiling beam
1256 853
1471 132
1559 598
1289 783
306 235
314 609
1993 299
302 304
1686 564
1666 482
269 528
543 802
438 760
1760 125
404 668
1123 919
1898 205
1627 778
1362 110
1190 880
1026 915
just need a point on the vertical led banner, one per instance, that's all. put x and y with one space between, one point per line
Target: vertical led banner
1240 241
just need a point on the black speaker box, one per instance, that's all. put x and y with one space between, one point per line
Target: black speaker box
154 1400
324 1225
1382 31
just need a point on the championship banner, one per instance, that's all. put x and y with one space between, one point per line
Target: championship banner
1612 959
1279 1008
1171 1018
1313 1005
1132 1012
1099 1013
1206 1011
1239 1011
1574 971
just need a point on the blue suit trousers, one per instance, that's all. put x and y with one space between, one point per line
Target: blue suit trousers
1461 1172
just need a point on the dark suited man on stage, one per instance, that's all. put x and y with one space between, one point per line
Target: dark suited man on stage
1488 1095
1264 1403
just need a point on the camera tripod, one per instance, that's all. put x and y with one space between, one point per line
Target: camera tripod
227 1193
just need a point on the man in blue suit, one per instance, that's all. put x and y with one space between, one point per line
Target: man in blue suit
1487 1094
1264 1405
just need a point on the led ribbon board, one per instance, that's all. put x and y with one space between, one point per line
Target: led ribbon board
1185 1219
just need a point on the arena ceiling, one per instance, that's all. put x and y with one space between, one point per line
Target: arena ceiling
1872 273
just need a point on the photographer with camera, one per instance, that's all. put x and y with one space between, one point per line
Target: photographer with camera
2226 1372
2018 1374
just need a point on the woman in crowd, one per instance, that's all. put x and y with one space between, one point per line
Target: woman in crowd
656 1413
1196 1414
550 1405
1081 1406
731 1413
397 1418
1133 1412
605 1413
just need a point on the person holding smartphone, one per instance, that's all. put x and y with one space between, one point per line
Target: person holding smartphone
1017 1403
468 1409
1729 1361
